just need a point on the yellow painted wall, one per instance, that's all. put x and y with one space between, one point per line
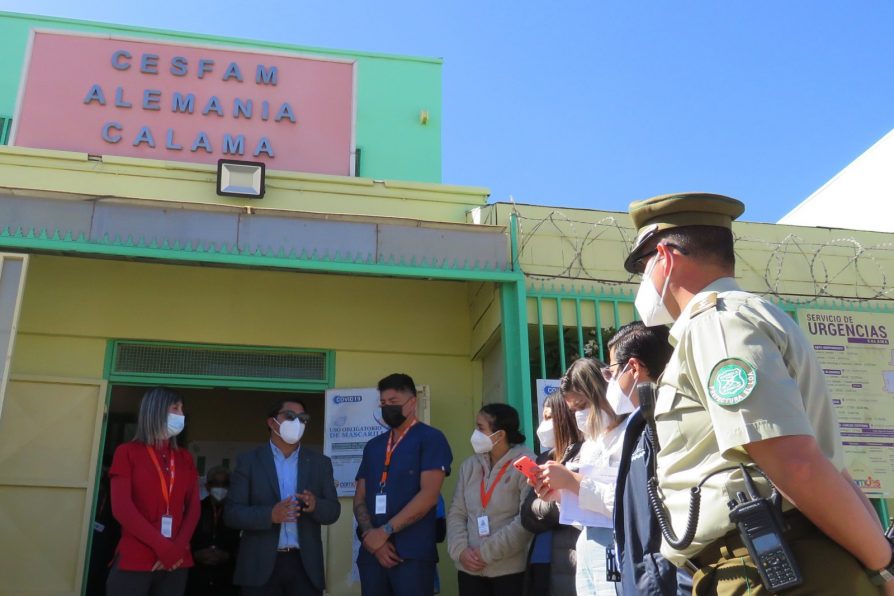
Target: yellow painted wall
73 174
73 306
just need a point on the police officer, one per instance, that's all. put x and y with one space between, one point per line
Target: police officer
743 385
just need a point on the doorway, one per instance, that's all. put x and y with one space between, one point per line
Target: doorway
221 423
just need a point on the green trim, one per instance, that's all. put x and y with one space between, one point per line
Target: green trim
235 41
102 447
619 295
580 327
514 330
845 305
514 335
560 328
881 508
540 337
215 381
598 305
309 263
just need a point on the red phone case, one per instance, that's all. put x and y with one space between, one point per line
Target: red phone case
527 466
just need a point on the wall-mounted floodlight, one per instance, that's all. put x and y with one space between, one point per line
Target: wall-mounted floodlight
240 178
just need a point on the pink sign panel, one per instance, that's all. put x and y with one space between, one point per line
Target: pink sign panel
140 98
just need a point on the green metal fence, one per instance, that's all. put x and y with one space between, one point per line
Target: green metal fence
567 324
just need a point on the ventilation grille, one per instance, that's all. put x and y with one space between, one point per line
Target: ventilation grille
218 363
5 129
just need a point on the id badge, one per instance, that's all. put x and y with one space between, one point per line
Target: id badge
381 504
483 525
167 526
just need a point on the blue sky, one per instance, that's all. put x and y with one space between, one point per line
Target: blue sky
593 104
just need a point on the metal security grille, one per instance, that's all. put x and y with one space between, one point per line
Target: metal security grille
570 325
215 362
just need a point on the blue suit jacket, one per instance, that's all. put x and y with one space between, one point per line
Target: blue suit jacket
254 490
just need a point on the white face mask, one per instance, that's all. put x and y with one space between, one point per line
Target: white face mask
649 303
615 396
291 431
581 417
547 434
481 443
176 422
219 493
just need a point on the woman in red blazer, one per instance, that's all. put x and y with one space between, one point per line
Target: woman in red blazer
155 498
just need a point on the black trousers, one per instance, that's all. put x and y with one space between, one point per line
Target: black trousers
146 583
502 585
288 579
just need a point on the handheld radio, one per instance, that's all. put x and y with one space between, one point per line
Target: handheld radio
760 526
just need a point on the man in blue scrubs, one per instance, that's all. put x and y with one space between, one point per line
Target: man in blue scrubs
398 485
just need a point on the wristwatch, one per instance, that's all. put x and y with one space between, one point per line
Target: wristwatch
886 574
389 531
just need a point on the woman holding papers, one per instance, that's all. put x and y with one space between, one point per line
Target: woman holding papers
586 493
485 537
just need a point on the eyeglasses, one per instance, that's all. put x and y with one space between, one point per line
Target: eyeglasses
640 263
607 372
289 415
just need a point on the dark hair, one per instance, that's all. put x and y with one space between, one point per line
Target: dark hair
399 382
277 407
649 344
504 417
152 420
710 243
215 472
564 425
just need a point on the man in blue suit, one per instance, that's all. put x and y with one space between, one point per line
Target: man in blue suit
280 495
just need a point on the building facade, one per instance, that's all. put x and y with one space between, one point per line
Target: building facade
122 267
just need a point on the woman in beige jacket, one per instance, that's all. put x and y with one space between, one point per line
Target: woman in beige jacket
485 536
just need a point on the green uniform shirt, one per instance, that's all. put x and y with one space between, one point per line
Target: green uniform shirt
741 371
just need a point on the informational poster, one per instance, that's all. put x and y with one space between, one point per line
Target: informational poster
545 388
857 357
353 417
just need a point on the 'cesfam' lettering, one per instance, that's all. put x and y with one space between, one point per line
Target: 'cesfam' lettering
154 100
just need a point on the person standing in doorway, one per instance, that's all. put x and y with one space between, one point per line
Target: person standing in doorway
398 484
214 545
280 495
155 498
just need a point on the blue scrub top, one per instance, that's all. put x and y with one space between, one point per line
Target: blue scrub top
422 449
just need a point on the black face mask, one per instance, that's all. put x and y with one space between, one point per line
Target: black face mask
393 416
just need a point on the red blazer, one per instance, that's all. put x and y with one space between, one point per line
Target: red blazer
138 505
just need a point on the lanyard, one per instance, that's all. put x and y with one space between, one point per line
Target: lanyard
166 488
485 496
389 449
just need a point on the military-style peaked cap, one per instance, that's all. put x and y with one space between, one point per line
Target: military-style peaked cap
673 211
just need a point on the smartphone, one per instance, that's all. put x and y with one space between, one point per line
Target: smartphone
528 467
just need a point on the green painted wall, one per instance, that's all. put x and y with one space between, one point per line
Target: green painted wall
391 92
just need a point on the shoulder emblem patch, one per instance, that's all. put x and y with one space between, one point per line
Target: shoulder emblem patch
731 381
706 303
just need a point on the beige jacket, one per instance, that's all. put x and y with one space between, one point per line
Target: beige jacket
505 549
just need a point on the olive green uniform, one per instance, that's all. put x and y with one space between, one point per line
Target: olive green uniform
742 371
